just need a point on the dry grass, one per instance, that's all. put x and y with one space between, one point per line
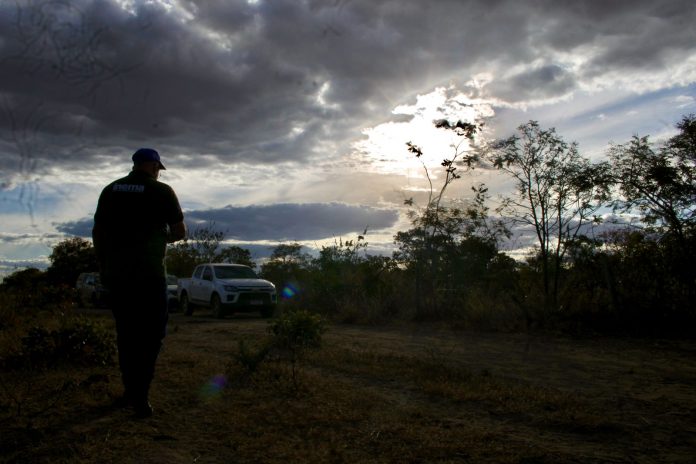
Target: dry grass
397 395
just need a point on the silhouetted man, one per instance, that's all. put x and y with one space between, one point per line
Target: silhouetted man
135 219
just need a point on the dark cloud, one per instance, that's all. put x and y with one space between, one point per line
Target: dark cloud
81 228
277 80
545 82
626 37
294 221
18 238
280 222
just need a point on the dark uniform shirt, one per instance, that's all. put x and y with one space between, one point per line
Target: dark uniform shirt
134 214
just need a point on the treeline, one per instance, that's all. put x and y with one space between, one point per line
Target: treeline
583 274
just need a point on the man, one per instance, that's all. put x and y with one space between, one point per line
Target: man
135 219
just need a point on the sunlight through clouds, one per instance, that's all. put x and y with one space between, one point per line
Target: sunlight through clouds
384 146
266 103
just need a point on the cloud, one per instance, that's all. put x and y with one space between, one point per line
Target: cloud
295 221
544 83
684 101
8 267
269 81
28 239
261 103
80 228
279 222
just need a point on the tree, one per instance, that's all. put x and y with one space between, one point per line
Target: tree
449 262
25 280
659 183
558 193
204 245
444 232
235 254
69 259
289 254
460 157
288 263
337 277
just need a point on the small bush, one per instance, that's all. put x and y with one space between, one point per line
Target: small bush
289 336
249 358
297 330
79 342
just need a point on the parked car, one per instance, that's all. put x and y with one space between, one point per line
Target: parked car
225 289
90 291
172 293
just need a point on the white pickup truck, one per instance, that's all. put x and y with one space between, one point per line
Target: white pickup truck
225 289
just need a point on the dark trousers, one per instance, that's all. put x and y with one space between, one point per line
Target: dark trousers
140 311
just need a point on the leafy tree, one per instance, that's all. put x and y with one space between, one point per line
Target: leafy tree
23 279
69 259
342 252
235 254
182 258
337 277
460 158
558 193
654 291
204 245
288 264
290 254
439 246
31 289
660 183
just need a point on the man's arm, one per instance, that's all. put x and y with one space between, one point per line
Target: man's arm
176 232
98 240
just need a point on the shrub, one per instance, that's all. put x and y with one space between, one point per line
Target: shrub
78 342
249 358
289 336
297 330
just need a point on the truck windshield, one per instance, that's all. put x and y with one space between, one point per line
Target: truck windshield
234 272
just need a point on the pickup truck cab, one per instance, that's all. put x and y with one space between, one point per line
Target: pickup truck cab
225 289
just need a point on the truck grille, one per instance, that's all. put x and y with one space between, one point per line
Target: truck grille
250 298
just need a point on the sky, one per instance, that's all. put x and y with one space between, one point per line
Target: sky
287 120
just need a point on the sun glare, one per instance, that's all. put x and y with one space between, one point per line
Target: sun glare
384 146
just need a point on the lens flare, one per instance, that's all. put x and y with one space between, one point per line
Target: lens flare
288 292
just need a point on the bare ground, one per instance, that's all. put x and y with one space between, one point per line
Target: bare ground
397 394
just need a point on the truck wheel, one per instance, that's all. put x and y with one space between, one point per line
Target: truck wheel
186 306
216 305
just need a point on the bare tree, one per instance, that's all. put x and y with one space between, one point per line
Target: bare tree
558 193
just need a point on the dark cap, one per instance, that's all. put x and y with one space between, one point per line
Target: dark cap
143 155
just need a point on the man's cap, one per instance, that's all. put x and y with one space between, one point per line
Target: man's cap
143 155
